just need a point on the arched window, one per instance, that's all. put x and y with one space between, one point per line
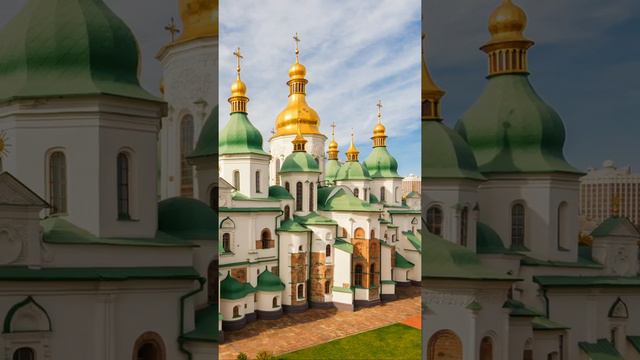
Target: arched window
563 228
345 234
258 181
274 302
58 182
186 147
444 344
372 275
149 346
372 234
236 311
327 251
527 353
226 242
486 348
396 194
300 291
357 281
123 186
310 196
299 196
366 197
383 194
277 171
327 287
434 220
286 186
517 226
236 179
393 237
356 192
24 353
213 198
287 212
300 248
265 238
358 233
212 281
464 224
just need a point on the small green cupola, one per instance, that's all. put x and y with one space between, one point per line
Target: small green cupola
352 169
268 281
232 289
333 164
69 48
510 128
380 163
299 161
239 136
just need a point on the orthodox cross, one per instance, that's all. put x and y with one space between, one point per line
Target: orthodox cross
238 56
297 40
333 129
173 29
379 105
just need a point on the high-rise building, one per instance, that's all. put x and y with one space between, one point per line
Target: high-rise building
410 183
600 187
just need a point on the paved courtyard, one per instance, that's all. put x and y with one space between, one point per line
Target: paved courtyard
316 326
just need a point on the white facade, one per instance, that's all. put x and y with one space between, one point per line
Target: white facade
280 147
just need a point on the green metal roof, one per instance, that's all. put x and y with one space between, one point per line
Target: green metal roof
607 227
331 170
313 218
413 195
414 239
582 262
403 212
402 262
23 273
249 209
187 218
446 154
511 129
292 226
352 170
587 281
57 230
381 164
232 289
488 241
299 161
541 323
635 342
474 306
208 140
68 48
519 309
239 136
206 329
443 259
268 281
279 192
238 196
339 198
343 245
601 350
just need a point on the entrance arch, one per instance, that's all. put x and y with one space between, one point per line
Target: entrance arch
444 345
149 346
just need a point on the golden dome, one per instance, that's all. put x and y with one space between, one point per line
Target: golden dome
238 99
297 71
238 88
199 19
379 130
352 153
507 23
429 88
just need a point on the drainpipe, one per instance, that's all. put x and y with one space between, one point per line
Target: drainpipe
546 302
310 239
278 239
201 282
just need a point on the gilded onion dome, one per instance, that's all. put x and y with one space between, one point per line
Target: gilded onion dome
510 128
297 107
199 19
431 93
380 163
352 169
239 136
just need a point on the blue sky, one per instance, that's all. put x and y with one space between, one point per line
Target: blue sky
355 51
586 64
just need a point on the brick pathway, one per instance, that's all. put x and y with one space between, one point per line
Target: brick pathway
317 326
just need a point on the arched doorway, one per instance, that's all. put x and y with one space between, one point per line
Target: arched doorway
149 346
444 345
24 353
486 348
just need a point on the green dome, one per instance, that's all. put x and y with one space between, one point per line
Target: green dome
331 170
511 129
68 48
352 170
239 136
299 161
268 281
488 241
381 164
187 218
340 198
445 154
232 289
279 192
208 141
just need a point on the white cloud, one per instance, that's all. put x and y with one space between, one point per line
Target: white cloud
355 51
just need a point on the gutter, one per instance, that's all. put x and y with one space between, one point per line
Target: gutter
201 282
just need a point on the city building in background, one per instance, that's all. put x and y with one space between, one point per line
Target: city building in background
410 184
599 188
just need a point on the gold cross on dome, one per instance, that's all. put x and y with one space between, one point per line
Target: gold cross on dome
296 38
238 56
173 29
379 105
333 128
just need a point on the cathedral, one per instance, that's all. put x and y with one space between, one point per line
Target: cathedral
504 272
299 229
92 264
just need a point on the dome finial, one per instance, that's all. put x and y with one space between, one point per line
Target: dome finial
198 19
296 38
431 93
352 153
379 132
238 99
299 141
333 145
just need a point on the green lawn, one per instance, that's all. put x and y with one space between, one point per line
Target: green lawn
394 342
